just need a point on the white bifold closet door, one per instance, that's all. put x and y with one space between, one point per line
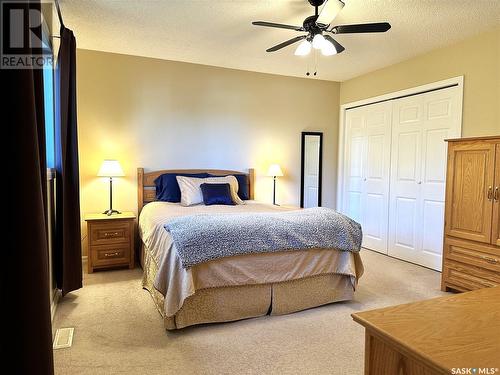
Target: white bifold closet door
366 183
394 173
420 125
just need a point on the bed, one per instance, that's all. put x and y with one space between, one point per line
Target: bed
235 287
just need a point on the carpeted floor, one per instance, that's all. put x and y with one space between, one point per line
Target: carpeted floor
119 331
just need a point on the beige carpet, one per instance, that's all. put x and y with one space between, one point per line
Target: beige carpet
119 331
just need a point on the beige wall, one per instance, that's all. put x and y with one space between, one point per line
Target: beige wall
477 59
160 114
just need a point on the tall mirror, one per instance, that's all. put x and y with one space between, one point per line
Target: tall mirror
312 155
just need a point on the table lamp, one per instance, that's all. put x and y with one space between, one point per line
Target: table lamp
110 168
274 171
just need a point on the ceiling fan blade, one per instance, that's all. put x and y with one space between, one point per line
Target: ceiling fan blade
278 25
379 27
339 47
329 11
287 43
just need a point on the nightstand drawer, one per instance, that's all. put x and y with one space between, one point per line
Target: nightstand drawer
110 255
106 233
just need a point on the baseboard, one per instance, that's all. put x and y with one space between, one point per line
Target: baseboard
56 294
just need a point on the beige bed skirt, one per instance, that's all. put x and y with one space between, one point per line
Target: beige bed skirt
224 304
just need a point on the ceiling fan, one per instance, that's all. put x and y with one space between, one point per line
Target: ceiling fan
317 27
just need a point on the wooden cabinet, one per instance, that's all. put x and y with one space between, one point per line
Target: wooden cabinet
471 244
110 240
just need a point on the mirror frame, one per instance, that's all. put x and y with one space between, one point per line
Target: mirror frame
302 157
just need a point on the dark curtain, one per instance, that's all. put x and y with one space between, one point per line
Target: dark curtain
26 336
68 254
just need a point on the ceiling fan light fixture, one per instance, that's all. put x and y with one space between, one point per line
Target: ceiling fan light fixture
328 49
303 49
318 41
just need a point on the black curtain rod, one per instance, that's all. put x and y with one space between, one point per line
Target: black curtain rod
59 13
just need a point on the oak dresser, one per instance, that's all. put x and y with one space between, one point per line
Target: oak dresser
471 257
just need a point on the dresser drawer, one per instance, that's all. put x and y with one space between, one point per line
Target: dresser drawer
106 233
474 254
464 277
110 255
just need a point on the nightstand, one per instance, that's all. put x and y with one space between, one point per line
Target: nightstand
110 240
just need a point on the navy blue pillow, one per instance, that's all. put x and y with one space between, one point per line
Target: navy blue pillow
243 192
167 188
216 194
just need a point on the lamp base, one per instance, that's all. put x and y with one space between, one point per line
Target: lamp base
111 212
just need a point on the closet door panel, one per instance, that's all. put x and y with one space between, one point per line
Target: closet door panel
354 178
374 229
441 121
367 172
405 219
376 176
432 231
406 155
421 124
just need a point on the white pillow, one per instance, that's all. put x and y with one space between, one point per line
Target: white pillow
191 190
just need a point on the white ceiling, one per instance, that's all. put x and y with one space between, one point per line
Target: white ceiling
219 32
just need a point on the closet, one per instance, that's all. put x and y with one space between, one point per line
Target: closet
395 172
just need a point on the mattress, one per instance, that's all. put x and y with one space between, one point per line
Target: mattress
176 283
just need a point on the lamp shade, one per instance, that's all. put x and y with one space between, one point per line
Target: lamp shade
303 49
110 168
274 170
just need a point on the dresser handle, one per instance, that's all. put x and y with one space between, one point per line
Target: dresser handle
495 195
490 193
108 234
490 260
108 255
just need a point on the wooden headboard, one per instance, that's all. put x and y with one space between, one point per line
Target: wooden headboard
146 191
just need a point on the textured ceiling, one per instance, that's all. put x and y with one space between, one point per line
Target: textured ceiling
219 32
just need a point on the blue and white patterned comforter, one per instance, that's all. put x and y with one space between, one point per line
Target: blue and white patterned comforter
203 237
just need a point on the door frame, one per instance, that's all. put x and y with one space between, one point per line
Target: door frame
451 82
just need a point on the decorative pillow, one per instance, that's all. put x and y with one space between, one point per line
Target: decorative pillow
191 191
167 188
216 194
243 191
